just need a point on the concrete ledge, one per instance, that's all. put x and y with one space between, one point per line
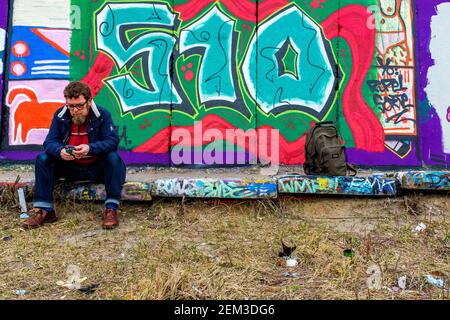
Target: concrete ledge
424 180
216 188
131 191
366 186
170 187
224 186
175 187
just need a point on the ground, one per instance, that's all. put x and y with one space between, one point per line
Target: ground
213 249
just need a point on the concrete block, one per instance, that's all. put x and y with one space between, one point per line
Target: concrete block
367 186
215 188
424 180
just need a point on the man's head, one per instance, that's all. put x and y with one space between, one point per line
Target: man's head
78 101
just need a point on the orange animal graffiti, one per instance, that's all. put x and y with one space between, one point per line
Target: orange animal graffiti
31 114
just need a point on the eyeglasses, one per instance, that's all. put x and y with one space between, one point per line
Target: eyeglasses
78 106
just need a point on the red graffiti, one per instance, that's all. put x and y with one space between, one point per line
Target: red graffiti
316 4
290 152
101 69
243 9
188 74
154 144
31 114
350 23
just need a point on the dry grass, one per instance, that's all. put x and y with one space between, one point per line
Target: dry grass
173 249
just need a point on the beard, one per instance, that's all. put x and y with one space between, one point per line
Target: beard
79 119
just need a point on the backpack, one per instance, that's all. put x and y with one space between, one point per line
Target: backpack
325 151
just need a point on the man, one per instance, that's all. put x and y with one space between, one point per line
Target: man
81 145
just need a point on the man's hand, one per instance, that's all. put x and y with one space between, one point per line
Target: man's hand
66 156
80 151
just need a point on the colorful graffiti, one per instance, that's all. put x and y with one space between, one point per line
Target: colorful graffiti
216 50
170 66
244 188
393 89
38 69
131 191
372 185
215 188
424 180
31 114
173 187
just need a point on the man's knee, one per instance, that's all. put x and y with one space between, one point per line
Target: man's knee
114 160
115 163
42 159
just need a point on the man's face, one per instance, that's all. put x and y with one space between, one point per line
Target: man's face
79 109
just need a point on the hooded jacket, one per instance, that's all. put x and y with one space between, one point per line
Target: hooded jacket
103 137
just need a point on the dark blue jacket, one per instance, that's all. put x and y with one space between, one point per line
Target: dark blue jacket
102 135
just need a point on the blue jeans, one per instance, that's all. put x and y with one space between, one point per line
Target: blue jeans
108 169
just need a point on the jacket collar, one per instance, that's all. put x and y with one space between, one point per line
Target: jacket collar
94 109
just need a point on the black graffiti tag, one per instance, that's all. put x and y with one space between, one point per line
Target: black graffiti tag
389 93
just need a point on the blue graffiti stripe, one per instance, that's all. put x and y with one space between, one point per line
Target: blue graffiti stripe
262 188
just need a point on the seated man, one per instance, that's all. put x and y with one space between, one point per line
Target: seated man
81 145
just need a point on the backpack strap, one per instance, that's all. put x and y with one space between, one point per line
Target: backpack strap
310 168
308 139
325 124
351 168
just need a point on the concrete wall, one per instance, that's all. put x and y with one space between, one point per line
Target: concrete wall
178 75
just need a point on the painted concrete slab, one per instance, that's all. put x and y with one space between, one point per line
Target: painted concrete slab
215 188
142 186
367 186
131 191
424 180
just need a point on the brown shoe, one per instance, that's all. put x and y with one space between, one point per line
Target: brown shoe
41 216
110 219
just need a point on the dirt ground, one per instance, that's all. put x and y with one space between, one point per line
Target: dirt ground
213 249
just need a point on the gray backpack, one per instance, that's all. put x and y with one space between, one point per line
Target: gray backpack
325 151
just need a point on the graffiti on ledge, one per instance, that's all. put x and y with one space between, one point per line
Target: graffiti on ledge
433 180
215 188
372 185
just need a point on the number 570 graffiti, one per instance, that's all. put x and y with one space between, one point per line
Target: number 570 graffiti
288 66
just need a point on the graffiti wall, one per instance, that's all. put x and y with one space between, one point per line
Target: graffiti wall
231 82
38 71
3 25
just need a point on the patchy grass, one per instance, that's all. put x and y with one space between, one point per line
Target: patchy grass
212 249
